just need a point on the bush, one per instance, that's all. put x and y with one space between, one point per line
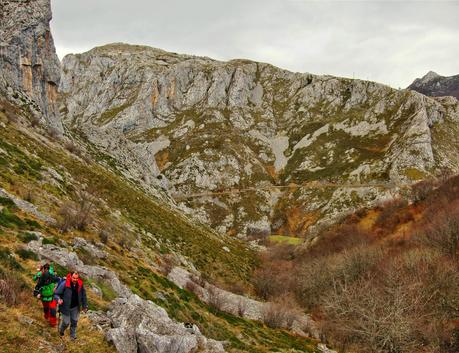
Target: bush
241 307
215 298
78 215
8 261
104 236
273 279
27 254
53 133
443 233
9 220
49 241
273 315
12 290
420 191
393 213
34 121
72 148
27 237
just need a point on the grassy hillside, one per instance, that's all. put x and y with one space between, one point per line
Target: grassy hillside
140 235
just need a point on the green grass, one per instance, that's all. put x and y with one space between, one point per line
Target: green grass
8 261
282 239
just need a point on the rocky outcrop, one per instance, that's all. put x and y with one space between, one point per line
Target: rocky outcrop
197 127
29 66
142 326
27 207
434 85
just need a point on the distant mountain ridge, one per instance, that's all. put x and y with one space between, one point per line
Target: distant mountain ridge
435 85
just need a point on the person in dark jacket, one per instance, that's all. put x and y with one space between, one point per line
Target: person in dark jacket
71 297
44 290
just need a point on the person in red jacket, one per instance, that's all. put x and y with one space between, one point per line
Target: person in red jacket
71 296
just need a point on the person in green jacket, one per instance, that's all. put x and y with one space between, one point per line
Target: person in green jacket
37 276
44 290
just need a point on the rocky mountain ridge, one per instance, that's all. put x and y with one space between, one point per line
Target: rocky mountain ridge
197 126
435 85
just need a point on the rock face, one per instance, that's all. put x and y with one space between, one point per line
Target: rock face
196 126
141 326
434 85
29 66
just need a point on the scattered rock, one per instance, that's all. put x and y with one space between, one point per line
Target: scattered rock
25 320
80 243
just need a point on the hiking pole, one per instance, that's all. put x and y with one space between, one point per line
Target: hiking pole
58 319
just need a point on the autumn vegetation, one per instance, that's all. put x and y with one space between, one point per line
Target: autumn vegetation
383 280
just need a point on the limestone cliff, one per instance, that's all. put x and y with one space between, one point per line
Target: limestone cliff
29 66
205 127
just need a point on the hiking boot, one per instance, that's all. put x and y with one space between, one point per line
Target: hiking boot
73 338
61 334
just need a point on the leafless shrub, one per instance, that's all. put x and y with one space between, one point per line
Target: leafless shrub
78 215
66 217
168 262
85 207
193 287
381 317
104 235
273 315
420 191
388 210
71 147
126 242
53 133
443 233
215 298
241 307
11 117
11 290
318 276
273 279
199 280
236 288
34 121
7 294
27 195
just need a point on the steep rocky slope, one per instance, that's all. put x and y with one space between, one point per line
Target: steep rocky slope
201 127
29 66
434 85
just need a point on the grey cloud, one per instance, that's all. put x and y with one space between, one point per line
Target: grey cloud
387 41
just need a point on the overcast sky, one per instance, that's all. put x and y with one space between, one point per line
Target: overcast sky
391 42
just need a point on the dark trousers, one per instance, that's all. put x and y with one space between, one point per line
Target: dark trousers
70 319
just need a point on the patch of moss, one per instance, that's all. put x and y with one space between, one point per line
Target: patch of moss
414 174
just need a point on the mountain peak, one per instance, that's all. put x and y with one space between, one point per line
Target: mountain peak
429 76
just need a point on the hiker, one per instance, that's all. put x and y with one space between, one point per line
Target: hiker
44 290
37 276
71 296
